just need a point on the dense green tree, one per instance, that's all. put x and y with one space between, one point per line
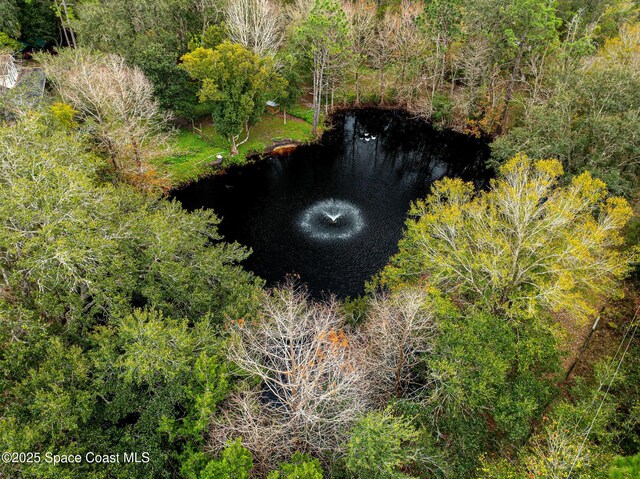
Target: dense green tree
117 26
83 369
382 446
101 249
527 26
301 466
172 86
32 21
152 35
213 36
142 383
234 462
488 380
238 82
8 44
625 467
9 22
590 122
583 431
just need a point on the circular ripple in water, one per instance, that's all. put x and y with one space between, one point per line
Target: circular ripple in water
331 220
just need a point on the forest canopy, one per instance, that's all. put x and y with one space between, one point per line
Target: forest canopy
499 342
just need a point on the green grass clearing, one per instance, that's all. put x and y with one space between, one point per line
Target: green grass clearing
194 151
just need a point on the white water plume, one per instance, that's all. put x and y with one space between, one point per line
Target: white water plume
331 219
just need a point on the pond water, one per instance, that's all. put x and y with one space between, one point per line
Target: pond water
332 213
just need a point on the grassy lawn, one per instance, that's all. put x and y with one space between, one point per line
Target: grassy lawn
194 151
305 113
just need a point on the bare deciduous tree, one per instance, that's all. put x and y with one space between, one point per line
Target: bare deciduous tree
385 45
361 15
297 11
475 62
256 25
312 388
399 331
117 98
410 48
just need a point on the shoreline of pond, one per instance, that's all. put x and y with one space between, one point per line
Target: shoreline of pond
287 146
367 170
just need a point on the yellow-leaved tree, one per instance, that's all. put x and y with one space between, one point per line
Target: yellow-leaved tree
526 245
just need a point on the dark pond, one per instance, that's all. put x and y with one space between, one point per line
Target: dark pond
332 213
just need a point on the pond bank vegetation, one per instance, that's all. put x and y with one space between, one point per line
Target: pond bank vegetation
129 324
